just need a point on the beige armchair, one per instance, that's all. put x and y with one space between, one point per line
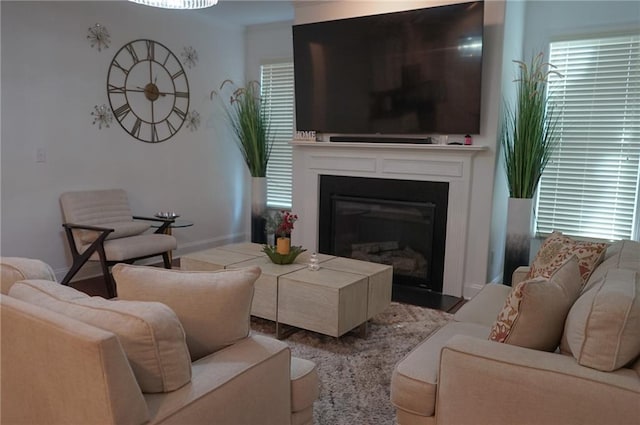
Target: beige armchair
100 226
68 358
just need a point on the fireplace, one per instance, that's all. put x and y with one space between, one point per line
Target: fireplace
396 222
450 165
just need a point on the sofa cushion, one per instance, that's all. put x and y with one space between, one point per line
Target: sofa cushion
485 306
624 254
557 248
414 379
150 333
535 311
214 307
602 329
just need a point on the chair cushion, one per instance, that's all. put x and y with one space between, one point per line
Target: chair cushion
557 248
214 307
414 379
121 229
150 333
602 329
535 311
135 246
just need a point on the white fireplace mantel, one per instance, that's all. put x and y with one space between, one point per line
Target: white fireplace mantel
441 163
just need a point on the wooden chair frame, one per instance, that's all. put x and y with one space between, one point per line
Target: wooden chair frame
79 259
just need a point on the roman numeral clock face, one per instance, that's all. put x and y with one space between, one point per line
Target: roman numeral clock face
148 91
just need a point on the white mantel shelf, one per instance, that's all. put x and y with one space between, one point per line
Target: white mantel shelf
404 161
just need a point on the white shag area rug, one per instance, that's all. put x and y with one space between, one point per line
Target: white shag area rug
355 372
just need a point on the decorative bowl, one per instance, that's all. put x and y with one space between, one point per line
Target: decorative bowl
278 258
167 214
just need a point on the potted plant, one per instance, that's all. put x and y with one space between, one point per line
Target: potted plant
280 224
251 126
527 138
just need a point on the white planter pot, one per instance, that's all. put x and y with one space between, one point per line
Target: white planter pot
519 234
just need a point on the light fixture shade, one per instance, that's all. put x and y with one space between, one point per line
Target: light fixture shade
177 4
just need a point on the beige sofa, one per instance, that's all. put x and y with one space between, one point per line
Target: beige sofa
458 376
58 367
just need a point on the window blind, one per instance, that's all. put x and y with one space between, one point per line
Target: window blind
278 92
589 188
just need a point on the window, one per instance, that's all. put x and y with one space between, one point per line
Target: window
276 82
590 186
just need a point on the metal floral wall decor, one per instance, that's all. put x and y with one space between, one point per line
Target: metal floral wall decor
193 120
189 57
99 36
102 116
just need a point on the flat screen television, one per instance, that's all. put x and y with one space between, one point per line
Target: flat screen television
402 73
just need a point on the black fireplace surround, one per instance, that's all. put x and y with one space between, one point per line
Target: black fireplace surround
397 222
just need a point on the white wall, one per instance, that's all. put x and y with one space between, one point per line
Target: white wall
267 44
477 259
551 20
511 49
51 79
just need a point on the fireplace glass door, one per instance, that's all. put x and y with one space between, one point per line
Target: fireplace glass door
390 232
401 223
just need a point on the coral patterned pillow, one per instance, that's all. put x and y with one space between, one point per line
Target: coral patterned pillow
557 248
535 311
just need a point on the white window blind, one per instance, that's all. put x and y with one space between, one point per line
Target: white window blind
277 90
590 186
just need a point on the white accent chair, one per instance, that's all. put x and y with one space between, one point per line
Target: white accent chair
100 226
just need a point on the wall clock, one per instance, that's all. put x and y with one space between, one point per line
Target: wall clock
148 90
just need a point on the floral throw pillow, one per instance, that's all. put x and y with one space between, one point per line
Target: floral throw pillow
535 311
557 248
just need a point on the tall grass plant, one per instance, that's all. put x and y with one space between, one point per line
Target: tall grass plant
250 123
528 135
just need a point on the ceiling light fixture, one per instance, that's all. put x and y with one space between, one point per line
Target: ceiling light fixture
177 4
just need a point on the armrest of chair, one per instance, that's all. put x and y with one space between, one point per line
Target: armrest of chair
80 370
69 227
13 269
485 382
73 226
162 229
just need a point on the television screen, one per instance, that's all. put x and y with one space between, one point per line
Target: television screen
412 72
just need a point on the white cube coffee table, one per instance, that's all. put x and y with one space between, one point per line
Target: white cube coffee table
343 295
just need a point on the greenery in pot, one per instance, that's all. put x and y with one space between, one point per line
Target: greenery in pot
250 123
528 135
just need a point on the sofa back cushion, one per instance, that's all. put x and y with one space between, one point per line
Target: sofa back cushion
557 248
150 333
536 309
602 329
214 307
624 254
